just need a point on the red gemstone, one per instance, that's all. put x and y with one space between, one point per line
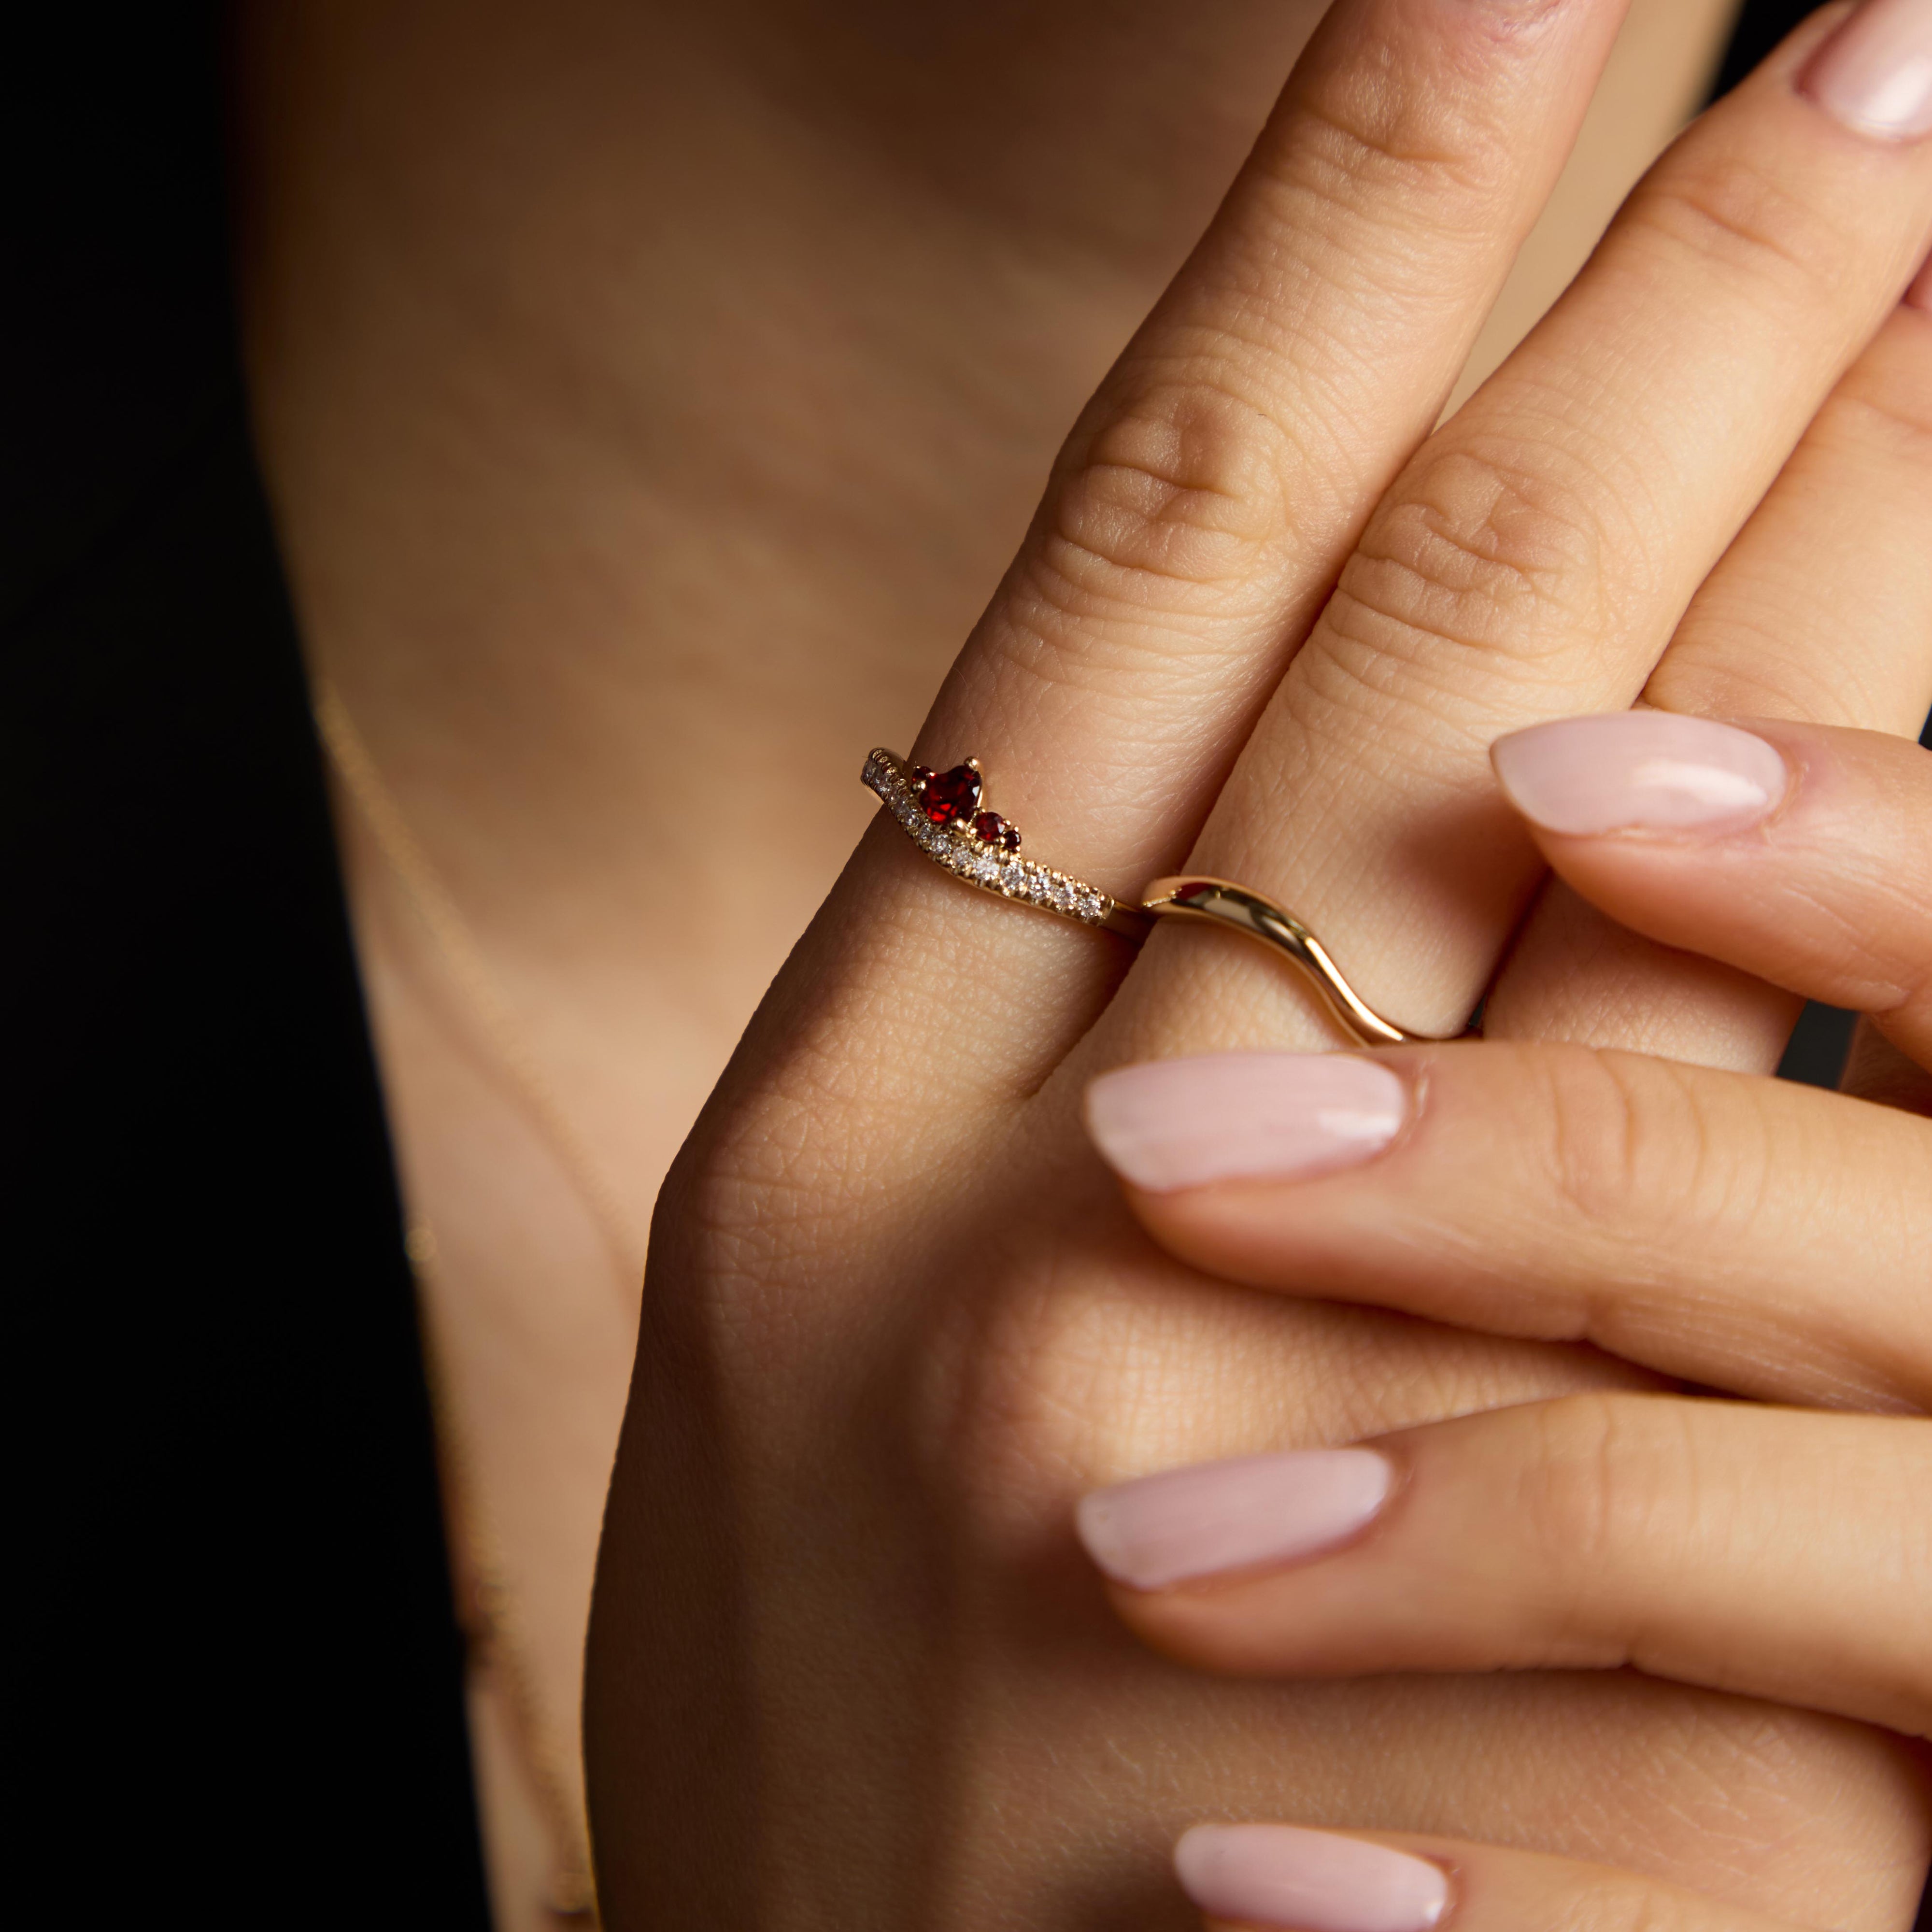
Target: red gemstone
949 795
995 831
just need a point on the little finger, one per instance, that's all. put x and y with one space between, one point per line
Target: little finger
1742 1233
1822 609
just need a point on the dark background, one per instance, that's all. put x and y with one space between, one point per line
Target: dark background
240 1648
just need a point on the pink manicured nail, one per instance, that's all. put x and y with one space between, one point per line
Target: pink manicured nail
1172 1123
1639 771
1243 1514
1875 72
1313 1881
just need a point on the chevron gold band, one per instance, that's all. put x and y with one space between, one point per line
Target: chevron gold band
1224 903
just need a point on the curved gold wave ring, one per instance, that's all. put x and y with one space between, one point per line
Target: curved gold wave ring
1222 902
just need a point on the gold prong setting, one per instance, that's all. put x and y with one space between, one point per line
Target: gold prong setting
968 856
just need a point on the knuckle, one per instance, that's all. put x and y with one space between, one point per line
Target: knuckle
1060 1372
1590 1495
1056 1377
1734 212
1172 507
1367 149
1571 1499
1601 1137
1626 1129
742 1209
1490 554
779 1174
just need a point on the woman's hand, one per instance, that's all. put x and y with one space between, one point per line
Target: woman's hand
846 1666
1739 1233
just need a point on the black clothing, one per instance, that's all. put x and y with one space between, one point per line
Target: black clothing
241 1625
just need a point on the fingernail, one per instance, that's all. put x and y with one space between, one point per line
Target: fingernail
1244 1514
1875 72
1173 1123
1920 293
1313 1881
1639 771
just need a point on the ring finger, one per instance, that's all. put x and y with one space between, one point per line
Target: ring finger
1536 554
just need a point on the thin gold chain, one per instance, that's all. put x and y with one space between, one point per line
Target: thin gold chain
488 1610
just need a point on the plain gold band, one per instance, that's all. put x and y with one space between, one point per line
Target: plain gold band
1224 903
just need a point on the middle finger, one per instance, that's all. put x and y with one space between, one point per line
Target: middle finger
1534 558
1772 1553
1699 1222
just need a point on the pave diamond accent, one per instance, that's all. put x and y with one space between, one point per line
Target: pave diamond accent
957 847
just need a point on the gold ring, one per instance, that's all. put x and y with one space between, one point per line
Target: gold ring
945 814
1195 896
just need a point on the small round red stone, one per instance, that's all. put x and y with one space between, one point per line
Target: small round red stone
947 796
995 831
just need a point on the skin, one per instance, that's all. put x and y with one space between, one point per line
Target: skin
1777 1546
516 393
845 1665
633 380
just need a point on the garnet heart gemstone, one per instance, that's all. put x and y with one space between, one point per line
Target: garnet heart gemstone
951 795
